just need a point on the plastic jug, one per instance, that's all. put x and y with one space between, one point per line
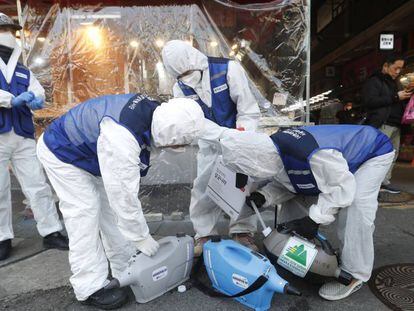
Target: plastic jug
150 277
233 268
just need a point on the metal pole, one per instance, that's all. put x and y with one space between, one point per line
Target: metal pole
308 60
22 38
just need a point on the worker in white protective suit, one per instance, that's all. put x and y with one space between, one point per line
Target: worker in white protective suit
95 156
221 88
342 165
20 92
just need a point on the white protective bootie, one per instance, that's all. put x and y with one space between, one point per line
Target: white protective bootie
337 291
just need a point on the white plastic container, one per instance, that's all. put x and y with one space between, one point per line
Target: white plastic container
151 277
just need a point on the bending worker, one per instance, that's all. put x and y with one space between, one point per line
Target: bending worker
343 165
20 93
95 155
221 88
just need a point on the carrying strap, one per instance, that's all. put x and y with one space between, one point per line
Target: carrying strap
260 281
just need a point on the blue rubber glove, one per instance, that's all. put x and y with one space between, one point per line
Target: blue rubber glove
22 99
36 104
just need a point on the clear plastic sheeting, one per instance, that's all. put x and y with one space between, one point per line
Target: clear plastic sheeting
79 50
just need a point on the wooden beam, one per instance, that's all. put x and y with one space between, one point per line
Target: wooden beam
397 15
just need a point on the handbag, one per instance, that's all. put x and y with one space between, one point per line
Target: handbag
408 116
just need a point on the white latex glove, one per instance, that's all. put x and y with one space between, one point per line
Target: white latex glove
148 246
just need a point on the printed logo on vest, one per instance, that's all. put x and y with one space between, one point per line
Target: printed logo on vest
298 172
142 166
137 99
21 75
220 88
306 186
298 134
193 97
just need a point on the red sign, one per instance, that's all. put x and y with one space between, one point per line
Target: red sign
357 71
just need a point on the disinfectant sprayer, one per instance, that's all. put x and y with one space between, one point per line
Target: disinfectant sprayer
283 246
238 272
301 257
150 277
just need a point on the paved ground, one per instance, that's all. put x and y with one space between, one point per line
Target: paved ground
37 279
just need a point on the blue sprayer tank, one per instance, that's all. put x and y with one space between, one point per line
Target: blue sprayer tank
233 267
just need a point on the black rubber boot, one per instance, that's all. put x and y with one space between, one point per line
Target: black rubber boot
5 249
107 299
56 240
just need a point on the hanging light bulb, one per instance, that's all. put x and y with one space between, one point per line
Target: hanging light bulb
159 43
134 43
94 35
39 61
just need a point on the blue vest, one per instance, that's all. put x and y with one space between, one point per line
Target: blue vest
223 110
357 143
72 138
18 118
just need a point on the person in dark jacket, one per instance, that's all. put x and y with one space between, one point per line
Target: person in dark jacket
348 115
385 104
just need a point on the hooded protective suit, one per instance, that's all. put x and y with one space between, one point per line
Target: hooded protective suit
347 166
94 156
221 88
19 93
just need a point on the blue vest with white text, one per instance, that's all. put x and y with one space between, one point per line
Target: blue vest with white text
18 118
357 143
223 110
72 138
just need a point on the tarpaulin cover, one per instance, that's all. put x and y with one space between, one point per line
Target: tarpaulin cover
80 49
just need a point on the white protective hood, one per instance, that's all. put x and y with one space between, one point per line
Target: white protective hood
253 154
179 57
179 121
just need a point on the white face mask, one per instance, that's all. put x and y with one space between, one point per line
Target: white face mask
192 79
7 39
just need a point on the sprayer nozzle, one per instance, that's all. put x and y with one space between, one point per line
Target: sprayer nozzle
290 290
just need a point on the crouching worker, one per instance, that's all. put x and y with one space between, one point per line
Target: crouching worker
342 165
95 155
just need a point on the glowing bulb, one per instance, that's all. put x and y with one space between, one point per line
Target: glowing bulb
213 44
41 39
160 66
134 43
231 53
159 43
234 47
94 35
39 61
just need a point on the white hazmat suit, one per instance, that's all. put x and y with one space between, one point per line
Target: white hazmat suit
20 152
180 57
103 215
352 196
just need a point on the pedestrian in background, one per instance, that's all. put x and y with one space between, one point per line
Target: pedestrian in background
385 104
348 115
